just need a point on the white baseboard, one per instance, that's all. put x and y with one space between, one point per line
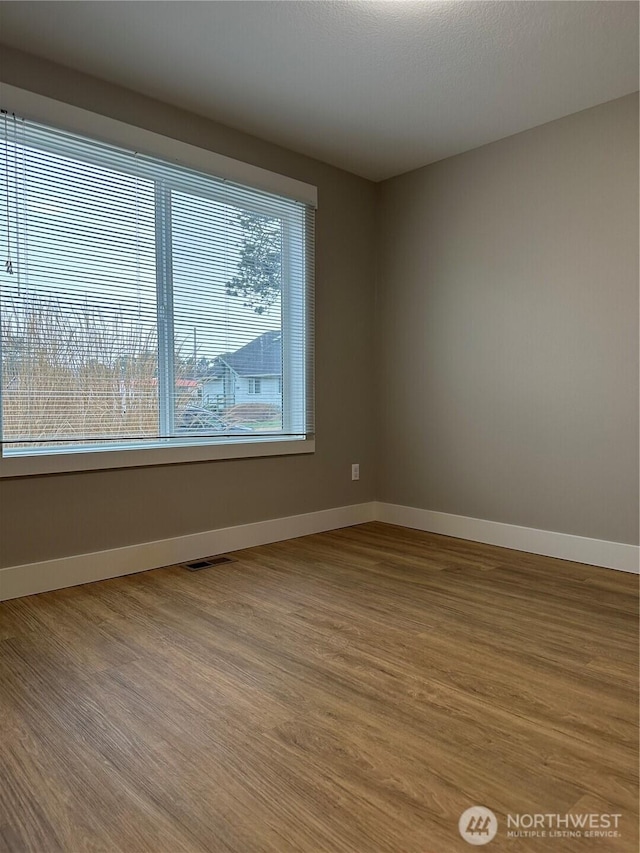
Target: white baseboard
16 581
579 549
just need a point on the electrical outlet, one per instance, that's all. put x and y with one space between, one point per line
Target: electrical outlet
355 471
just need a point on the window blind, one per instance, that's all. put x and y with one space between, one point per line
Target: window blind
145 303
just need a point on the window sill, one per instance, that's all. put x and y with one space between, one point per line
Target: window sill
97 460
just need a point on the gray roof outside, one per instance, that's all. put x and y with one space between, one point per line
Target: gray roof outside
260 357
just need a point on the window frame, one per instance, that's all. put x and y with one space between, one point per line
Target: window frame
182 450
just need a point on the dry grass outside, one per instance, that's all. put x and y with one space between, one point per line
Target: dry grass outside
72 373
252 413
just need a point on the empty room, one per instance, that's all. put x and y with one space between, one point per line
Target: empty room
319 426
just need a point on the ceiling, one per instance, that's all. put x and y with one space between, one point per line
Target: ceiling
377 88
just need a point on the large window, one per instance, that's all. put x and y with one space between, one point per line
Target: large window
145 304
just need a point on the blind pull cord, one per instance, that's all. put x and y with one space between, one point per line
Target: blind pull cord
8 263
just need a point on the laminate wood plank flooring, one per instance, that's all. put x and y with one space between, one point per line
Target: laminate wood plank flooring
347 692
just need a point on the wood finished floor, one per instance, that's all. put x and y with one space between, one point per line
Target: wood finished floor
348 692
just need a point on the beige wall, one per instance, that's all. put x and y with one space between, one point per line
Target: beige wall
47 517
508 329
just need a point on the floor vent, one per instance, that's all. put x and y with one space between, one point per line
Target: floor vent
198 565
